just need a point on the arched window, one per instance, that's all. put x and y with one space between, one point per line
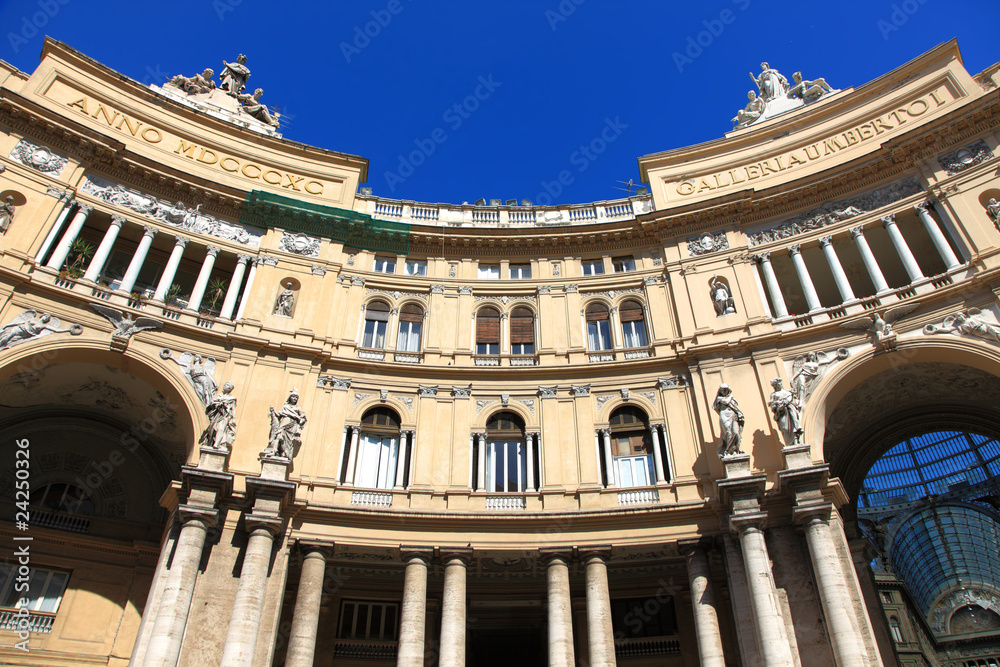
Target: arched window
376 322
411 322
897 634
378 449
598 327
631 447
488 331
522 331
506 454
633 326
62 497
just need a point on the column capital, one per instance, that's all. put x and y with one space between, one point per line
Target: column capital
762 257
181 241
207 516
824 241
409 553
149 231
809 513
744 523
795 249
117 221
212 251
601 552
549 554
857 232
888 220
924 206
272 524
605 432
463 554
688 548
309 548
243 259
86 209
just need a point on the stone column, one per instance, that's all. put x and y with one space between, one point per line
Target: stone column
560 621
198 293
246 290
839 277
808 289
104 250
352 457
401 449
170 270
50 238
762 293
654 432
241 639
609 462
410 652
155 593
601 638
531 439
481 461
706 619
668 460
847 645
453 609
62 250
881 287
940 241
132 273
305 619
903 250
763 596
234 286
343 455
764 259
171 616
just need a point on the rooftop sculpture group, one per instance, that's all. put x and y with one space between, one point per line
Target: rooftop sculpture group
234 79
776 96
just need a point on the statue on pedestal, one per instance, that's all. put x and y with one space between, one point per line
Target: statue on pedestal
286 428
6 214
770 82
786 412
731 421
234 76
221 413
809 90
751 112
253 106
993 210
194 85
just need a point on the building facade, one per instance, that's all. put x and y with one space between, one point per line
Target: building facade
270 420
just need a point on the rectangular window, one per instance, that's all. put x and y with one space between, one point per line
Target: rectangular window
368 620
522 348
44 593
487 348
599 335
416 267
506 467
385 264
623 264
374 334
592 267
634 471
408 339
520 271
376 461
634 334
489 272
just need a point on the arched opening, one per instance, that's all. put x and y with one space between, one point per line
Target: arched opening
488 331
633 324
506 454
631 447
598 327
522 331
378 449
376 324
411 323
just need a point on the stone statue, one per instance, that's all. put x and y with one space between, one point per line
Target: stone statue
221 413
194 85
6 214
809 91
234 76
731 421
286 428
880 328
770 82
286 302
253 106
786 412
751 112
807 371
970 323
198 372
721 297
993 210
29 325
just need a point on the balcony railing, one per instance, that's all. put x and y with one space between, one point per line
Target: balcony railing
407 357
486 360
36 622
646 646
371 355
506 503
597 357
371 499
365 649
638 497
638 353
73 523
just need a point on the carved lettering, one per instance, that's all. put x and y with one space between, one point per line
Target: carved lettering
185 149
80 104
214 158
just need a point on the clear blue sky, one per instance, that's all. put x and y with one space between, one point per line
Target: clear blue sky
552 76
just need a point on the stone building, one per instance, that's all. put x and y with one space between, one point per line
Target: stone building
668 429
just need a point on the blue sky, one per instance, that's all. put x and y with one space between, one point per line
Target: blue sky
453 101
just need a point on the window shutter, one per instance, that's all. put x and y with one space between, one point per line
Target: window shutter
597 312
411 313
377 311
630 311
522 326
488 326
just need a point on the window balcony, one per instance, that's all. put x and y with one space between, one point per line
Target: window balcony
638 352
638 497
506 503
645 646
598 357
365 649
486 360
371 354
37 622
523 360
371 499
74 523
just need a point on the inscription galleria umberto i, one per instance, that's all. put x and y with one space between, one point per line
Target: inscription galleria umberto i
254 414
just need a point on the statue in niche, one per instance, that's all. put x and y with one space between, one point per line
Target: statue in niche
770 82
722 298
731 421
221 412
286 428
6 214
286 302
253 106
807 371
234 76
786 412
195 85
969 323
993 210
751 112
29 325
809 91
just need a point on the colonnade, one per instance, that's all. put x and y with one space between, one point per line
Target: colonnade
874 271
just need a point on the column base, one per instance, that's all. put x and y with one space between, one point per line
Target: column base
736 465
213 459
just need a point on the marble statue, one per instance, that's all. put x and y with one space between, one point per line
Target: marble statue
286 428
808 370
125 326
194 85
30 325
221 412
993 210
253 106
722 298
6 214
786 411
286 302
770 82
751 112
809 91
970 323
731 421
234 76
879 327
198 372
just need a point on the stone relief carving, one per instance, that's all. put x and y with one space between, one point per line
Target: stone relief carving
505 400
328 381
407 401
358 397
31 325
556 269
879 328
285 436
530 404
580 389
808 369
6 214
601 400
507 299
786 412
462 392
221 412
396 294
177 215
482 403
299 244
673 382
465 290
571 288
285 303
547 392
707 243
198 371
427 391
452 268
971 322
544 289
648 395
833 212
318 270
612 293
731 421
624 393
967 596
267 260
38 158
125 326
965 157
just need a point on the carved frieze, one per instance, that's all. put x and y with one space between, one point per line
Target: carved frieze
673 382
972 322
612 293
965 157
530 404
32 325
331 382
707 243
299 244
38 158
547 392
506 299
427 391
397 294
462 392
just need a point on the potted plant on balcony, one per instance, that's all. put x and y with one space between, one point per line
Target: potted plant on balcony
216 290
80 253
171 297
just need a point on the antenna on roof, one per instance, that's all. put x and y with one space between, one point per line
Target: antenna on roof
630 185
